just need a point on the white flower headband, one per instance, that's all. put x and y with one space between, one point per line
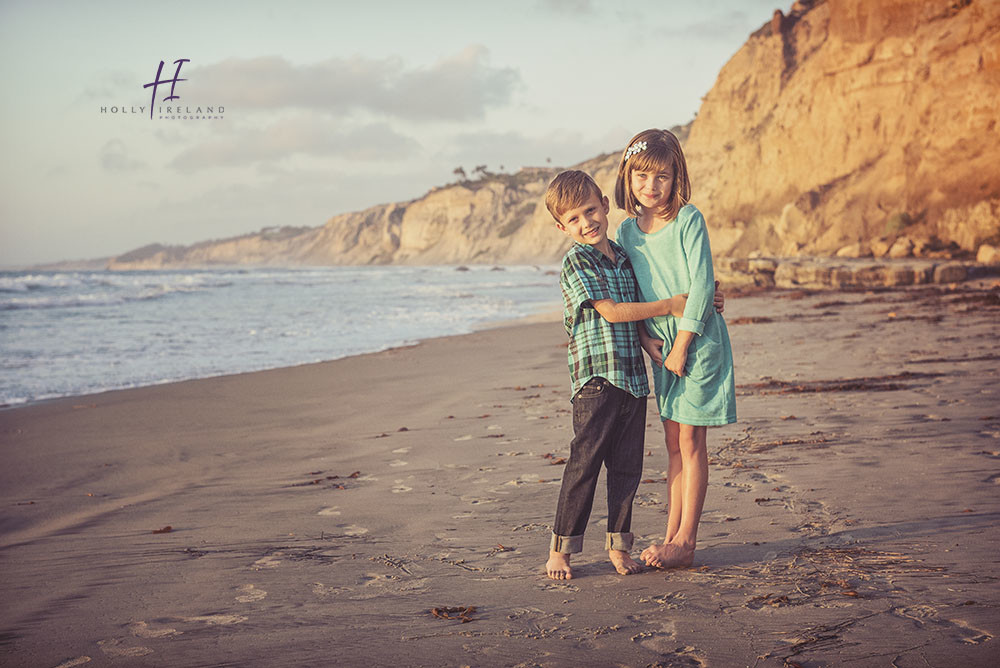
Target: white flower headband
637 147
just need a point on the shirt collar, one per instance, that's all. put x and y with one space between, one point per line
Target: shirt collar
620 255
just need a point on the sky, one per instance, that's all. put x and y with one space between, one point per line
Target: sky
318 108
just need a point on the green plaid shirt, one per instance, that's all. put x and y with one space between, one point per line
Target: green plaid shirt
598 347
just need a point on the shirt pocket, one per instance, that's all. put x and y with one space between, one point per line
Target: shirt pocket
705 356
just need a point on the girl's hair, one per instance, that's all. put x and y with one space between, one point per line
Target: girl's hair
653 151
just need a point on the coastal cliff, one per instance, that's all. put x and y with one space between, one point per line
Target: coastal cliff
843 127
849 122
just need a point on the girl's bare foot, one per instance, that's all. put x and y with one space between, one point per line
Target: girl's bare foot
668 555
623 562
558 566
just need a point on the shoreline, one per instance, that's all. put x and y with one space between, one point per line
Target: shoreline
544 315
321 513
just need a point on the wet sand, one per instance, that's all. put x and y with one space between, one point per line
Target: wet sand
394 509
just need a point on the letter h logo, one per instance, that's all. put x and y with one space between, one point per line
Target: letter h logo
172 82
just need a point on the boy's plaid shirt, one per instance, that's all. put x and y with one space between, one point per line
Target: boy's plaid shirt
598 347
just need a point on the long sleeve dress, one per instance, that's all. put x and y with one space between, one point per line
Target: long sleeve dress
672 261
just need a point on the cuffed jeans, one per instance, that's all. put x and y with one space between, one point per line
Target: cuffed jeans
609 427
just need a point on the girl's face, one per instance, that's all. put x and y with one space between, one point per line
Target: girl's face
652 189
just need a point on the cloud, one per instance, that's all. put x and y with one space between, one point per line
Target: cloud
109 84
115 157
306 135
568 7
460 87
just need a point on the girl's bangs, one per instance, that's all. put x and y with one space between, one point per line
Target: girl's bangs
653 159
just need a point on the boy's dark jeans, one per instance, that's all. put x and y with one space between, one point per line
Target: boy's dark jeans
609 426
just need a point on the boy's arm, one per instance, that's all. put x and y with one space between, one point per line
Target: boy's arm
652 345
613 311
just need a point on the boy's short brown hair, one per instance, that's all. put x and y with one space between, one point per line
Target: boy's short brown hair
568 190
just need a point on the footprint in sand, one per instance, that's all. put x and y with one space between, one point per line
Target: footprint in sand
354 530
377 585
925 614
78 661
684 656
400 451
918 613
525 478
396 463
648 500
144 630
661 642
113 647
270 561
978 636
670 600
217 620
322 590
332 511
473 501
400 488
467 437
250 594
558 586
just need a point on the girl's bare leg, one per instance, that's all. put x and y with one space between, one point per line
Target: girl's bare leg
675 479
678 547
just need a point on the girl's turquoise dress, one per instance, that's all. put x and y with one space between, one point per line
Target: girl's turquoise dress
672 261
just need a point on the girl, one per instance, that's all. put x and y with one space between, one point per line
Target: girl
667 242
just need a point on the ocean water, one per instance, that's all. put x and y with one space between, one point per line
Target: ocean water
72 333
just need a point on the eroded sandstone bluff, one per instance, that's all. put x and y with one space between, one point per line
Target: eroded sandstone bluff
843 127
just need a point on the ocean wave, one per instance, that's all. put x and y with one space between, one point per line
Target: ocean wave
83 332
29 282
46 291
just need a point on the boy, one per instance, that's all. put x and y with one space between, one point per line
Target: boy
607 372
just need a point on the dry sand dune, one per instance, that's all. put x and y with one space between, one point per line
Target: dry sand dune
394 509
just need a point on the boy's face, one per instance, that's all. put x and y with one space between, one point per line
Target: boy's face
588 223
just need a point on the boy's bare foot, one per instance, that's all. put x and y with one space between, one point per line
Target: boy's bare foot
623 562
558 566
668 555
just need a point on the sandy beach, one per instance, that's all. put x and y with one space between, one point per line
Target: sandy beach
394 509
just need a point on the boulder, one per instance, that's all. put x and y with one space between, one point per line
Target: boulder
950 272
903 247
988 254
855 250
